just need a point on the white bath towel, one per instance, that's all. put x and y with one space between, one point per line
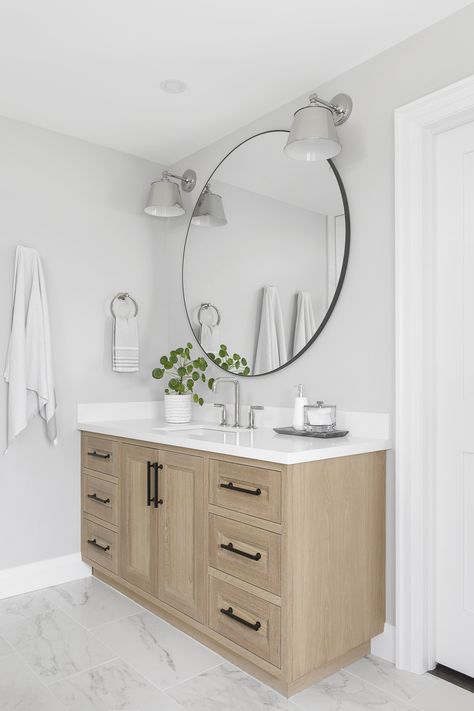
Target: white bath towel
209 338
271 349
125 346
305 324
28 368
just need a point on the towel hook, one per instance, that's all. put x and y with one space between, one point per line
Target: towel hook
122 296
209 306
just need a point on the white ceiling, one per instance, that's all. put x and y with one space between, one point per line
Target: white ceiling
92 68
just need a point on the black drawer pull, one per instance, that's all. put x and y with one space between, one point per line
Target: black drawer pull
94 497
230 613
156 500
98 455
93 542
230 547
232 487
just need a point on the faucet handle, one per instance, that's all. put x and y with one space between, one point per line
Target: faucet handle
251 425
223 421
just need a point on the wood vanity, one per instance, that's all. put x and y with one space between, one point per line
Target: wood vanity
279 568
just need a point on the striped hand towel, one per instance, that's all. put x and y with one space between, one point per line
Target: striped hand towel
125 349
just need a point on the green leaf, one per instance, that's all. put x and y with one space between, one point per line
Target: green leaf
181 372
210 383
229 361
189 346
236 356
196 397
158 373
174 359
179 351
211 356
225 366
195 376
246 371
163 360
223 352
244 361
218 361
190 384
167 391
201 401
190 368
172 354
173 383
203 377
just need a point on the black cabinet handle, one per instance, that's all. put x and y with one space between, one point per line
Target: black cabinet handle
156 500
93 542
98 455
230 547
94 497
232 487
149 497
230 613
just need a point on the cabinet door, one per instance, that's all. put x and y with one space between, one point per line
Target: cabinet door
138 517
181 517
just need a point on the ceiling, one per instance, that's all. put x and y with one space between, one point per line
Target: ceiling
92 68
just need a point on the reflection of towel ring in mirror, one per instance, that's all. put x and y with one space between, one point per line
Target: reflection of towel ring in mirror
122 296
209 306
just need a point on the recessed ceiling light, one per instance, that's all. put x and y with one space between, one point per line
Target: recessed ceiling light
173 86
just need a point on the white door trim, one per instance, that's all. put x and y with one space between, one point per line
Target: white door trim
416 126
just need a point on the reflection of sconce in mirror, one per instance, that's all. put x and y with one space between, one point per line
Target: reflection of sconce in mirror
164 198
209 211
313 134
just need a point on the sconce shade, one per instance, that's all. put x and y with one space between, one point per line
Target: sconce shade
313 135
209 211
164 200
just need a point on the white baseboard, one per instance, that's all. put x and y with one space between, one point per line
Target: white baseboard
384 644
43 574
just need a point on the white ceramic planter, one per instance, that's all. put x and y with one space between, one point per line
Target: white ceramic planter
178 408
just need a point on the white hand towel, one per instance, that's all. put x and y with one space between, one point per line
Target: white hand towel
271 347
28 368
305 324
125 350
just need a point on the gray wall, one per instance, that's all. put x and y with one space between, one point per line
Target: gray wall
352 363
81 206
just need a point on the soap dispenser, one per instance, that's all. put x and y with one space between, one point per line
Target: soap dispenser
298 412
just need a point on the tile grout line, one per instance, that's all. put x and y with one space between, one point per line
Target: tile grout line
193 676
405 702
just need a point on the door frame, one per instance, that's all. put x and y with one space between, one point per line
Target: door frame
416 126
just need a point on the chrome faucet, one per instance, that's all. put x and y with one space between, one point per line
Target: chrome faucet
236 396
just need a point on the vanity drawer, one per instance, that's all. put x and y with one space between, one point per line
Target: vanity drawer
99 544
251 490
100 497
250 553
245 619
101 455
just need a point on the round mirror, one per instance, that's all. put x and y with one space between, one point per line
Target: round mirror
265 256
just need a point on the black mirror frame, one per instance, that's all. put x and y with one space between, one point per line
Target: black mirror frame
339 283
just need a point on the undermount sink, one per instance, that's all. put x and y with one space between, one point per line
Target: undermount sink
197 427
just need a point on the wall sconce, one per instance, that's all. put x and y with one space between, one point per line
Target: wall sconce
164 198
209 211
313 134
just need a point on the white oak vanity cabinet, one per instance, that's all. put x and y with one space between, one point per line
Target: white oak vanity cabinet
281 569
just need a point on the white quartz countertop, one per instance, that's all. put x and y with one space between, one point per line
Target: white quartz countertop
263 444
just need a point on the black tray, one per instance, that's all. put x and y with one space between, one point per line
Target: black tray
304 433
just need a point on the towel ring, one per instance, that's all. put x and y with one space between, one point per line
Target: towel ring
122 296
209 306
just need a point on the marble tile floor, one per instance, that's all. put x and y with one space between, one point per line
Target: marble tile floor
83 646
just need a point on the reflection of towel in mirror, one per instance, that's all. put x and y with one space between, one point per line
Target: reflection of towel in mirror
125 352
271 347
29 369
209 338
305 324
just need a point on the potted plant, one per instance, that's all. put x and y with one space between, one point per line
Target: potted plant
185 373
